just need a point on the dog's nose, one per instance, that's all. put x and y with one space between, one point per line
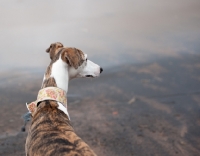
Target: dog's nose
101 69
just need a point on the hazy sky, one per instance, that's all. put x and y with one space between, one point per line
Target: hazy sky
109 31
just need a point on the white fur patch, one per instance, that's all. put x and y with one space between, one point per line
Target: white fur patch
90 69
60 73
43 80
63 108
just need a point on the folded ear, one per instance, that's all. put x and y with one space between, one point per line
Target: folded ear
73 57
48 49
54 49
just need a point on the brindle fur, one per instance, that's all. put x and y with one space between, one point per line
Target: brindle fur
74 57
50 82
50 132
54 48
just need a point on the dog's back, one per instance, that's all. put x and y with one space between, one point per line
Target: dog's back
51 134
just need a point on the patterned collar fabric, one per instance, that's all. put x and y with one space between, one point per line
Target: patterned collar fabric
49 93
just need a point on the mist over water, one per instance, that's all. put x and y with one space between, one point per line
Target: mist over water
111 32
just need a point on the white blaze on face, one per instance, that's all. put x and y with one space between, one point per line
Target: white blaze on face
87 69
90 69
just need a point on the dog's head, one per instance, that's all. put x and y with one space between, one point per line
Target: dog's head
78 64
54 49
68 63
73 60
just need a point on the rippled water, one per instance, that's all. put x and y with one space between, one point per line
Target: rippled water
111 32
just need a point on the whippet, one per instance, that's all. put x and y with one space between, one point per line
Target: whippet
50 132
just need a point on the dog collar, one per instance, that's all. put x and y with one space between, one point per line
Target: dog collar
48 93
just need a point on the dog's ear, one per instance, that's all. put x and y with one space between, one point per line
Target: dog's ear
48 49
74 57
54 49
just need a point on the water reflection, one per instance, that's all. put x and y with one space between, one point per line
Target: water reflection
111 32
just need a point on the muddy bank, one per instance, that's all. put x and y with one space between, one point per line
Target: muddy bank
141 109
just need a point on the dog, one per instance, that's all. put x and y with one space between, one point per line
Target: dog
50 132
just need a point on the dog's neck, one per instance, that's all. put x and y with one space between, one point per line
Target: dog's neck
56 74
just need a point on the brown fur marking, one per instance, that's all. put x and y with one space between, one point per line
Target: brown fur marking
73 56
51 134
54 49
50 82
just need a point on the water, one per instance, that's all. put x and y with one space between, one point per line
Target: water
111 32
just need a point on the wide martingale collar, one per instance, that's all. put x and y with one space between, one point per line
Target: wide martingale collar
48 93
